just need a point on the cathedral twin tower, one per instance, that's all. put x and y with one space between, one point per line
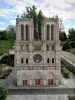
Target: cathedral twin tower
37 62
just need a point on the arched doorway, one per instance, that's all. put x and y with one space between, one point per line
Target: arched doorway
22 32
24 79
37 78
50 81
24 82
37 81
50 78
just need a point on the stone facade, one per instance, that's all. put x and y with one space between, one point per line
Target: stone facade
37 62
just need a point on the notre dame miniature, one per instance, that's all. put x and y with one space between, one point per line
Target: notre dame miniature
37 61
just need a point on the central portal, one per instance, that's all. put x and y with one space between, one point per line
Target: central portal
37 82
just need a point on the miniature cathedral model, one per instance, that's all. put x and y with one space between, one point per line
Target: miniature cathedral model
37 62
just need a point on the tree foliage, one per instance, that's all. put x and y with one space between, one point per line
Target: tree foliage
37 19
8 59
62 36
71 34
72 44
1 70
3 35
66 46
11 35
3 93
8 35
40 19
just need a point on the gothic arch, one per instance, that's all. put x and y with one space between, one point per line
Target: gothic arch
37 75
50 75
22 32
52 32
24 76
48 27
25 58
27 32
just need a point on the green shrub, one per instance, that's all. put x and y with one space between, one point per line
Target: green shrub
61 70
66 75
3 93
71 97
1 71
8 59
66 46
74 89
65 72
72 44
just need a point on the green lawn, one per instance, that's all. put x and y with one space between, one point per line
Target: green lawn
5 46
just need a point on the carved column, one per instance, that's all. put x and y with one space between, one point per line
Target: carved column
18 32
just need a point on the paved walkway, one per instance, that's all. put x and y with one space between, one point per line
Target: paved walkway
37 97
68 83
69 57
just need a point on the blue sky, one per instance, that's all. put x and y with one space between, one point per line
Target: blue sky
65 9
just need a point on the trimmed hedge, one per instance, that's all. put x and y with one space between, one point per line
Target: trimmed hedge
66 46
65 72
8 60
71 97
3 93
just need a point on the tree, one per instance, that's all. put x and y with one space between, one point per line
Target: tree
3 35
11 34
8 59
62 36
66 46
37 20
3 93
31 13
0 71
71 34
8 35
40 20
73 44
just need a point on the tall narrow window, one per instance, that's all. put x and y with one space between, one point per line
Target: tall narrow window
47 60
52 31
22 60
22 32
26 61
52 60
27 32
48 32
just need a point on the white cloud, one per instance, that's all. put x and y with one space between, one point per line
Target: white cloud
2 23
71 1
6 12
1 29
64 8
49 7
13 22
